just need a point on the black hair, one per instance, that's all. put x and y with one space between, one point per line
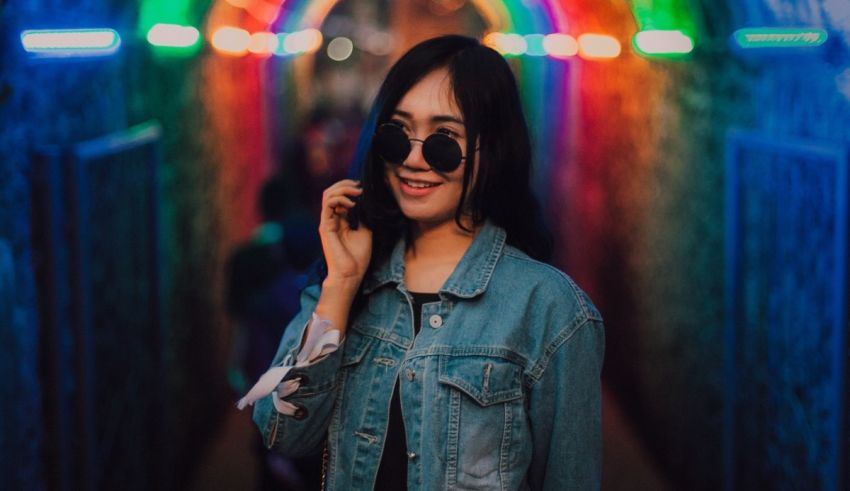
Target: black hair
486 92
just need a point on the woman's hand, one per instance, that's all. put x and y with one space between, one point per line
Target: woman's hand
347 251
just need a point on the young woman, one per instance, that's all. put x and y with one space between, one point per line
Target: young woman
439 352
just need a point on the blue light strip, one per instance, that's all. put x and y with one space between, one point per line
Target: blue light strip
70 42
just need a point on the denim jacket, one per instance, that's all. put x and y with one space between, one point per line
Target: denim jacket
499 390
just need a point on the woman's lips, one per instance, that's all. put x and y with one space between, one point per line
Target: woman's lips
417 188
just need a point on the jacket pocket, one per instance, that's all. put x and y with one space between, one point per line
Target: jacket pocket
485 420
486 380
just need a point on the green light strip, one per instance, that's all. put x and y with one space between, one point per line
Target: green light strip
771 37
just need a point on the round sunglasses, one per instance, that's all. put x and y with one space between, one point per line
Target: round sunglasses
442 152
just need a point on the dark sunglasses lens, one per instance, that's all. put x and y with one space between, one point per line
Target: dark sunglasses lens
391 143
442 152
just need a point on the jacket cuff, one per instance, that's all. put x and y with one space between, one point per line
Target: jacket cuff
281 381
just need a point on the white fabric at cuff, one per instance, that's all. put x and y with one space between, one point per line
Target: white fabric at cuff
321 341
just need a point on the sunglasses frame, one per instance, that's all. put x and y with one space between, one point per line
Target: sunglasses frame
424 142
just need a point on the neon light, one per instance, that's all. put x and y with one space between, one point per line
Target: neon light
293 43
493 40
560 45
306 41
768 37
263 43
508 44
515 44
173 36
534 43
312 40
340 49
231 40
663 43
71 42
665 28
598 46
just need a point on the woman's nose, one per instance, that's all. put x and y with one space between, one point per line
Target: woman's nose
415 160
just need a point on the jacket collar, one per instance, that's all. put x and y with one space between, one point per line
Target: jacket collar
469 278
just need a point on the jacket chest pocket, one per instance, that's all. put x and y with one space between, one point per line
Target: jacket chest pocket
485 419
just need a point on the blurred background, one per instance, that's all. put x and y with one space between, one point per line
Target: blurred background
161 162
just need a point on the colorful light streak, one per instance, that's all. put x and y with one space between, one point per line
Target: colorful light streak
769 37
663 43
71 42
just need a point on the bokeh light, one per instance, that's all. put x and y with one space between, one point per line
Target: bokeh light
559 45
71 42
263 43
340 49
173 36
231 40
663 43
598 46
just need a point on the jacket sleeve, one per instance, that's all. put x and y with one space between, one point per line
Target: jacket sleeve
565 412
304 432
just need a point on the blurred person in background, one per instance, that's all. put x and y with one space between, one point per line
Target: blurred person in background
440 350
264 278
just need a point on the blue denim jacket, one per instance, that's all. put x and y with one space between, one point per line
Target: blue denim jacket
500 389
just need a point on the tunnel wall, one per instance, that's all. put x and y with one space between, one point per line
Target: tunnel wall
47 107
646 233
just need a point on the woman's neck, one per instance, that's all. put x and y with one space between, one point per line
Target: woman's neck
446 241
434 254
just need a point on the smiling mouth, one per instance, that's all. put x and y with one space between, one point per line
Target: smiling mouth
419 184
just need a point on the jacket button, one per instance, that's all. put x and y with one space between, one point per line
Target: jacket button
410 374
411 455
435 321
300 413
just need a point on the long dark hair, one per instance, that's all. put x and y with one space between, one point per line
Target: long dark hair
486 93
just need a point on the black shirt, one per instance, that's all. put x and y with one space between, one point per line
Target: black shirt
392 472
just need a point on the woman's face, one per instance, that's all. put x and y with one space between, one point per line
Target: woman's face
424 195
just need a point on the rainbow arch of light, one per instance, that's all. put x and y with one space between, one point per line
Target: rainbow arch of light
544 83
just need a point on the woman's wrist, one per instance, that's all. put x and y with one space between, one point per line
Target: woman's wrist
342 285
336 299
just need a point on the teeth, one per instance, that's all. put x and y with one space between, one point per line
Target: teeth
418 185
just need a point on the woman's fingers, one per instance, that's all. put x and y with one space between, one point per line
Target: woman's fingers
340 201
346 186
336 200
347 251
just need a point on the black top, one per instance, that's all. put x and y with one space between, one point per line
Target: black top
392 472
